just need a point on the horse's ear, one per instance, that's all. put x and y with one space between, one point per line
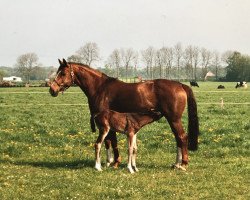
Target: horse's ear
65 62
60 62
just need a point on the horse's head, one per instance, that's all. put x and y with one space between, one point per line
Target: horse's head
63 80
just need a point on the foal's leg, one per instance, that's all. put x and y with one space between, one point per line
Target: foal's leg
131 142
102 134
109 157
113 139
181 140
134 154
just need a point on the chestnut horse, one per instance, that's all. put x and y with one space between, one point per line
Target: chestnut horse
164 96
127 123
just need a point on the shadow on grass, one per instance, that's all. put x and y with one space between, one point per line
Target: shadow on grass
86 163
78 164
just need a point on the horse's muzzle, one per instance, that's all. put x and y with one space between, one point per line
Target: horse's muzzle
53 93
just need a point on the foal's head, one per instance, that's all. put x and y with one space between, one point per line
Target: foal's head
64 78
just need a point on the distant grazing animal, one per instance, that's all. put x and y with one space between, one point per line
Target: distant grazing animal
221 87
194 83
241 84
127 123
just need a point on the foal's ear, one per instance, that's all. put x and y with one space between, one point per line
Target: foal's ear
60 62
65 62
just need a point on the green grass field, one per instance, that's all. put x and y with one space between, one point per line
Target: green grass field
47 150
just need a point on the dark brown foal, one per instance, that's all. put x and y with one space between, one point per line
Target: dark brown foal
126 123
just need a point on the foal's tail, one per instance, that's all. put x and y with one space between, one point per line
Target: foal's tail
193 121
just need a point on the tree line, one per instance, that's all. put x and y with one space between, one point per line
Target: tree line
176 62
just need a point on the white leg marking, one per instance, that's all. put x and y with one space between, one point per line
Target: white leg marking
134 155
130 153
179 156
178 162
98 166
110 159
98 159
98 149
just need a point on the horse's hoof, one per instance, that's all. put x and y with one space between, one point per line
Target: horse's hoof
110 160
130 169
179 166
98 167
116 165
183 168
108 164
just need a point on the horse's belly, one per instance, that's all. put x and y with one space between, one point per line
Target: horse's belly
132 105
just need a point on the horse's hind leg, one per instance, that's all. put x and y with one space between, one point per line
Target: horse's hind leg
102 134
181 140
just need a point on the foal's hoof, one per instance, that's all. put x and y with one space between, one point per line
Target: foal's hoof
135 169
117 162
116 165
130 169
109 161
179 166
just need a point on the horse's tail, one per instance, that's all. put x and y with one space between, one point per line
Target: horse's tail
193 121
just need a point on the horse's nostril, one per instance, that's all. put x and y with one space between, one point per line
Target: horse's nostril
52 92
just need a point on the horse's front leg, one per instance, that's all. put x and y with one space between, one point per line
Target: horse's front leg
102 134
131 144
92 123
92 118
134 154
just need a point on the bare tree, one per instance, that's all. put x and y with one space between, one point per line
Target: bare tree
206 56
167 58
135 62
88 54
188 59
127 56
115 61
159 61
225 56
216 62
196 59
147 58
191 57
178 56
74 58
26 64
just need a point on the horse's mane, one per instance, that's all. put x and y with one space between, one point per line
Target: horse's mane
94 70
81 64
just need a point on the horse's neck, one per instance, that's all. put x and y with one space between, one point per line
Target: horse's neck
89 81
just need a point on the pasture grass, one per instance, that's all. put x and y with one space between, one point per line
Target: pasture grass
47 150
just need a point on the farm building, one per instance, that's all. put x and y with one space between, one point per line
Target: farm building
209 75
12 79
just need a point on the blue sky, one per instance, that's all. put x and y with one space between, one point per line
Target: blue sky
57 28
